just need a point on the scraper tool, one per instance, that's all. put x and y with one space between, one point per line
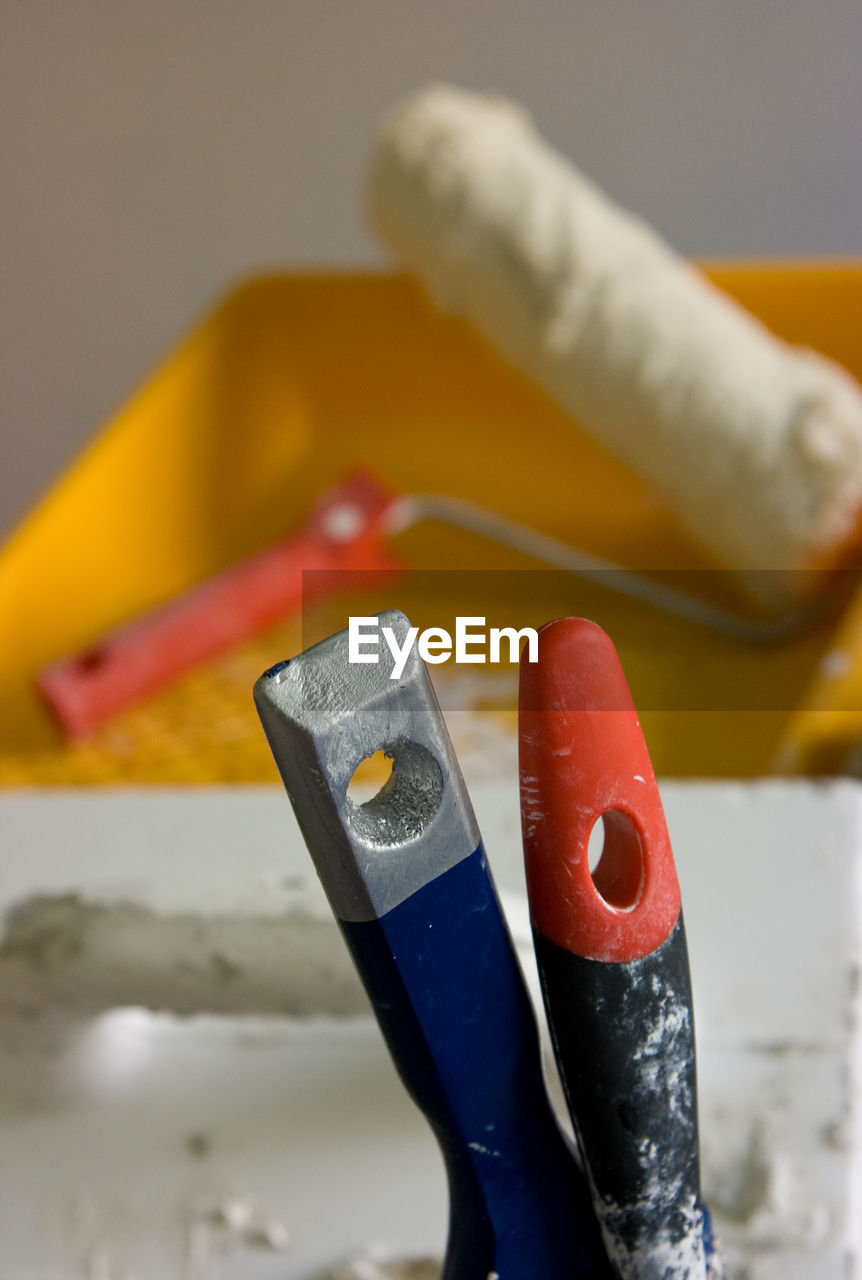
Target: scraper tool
610 944
408 882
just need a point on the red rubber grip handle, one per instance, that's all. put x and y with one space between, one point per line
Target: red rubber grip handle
344 532
583 758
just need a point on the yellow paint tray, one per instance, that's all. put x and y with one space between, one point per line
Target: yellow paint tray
294 381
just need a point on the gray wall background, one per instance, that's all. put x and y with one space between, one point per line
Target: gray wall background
152 153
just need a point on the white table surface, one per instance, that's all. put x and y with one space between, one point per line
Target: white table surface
139 1144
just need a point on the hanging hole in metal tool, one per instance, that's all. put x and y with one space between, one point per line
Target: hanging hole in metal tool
406 803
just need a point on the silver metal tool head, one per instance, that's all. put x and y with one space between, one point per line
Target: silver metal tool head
323 716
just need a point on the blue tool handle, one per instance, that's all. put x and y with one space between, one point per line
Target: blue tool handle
448 993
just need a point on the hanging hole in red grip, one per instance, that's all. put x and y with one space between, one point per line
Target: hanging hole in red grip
617 860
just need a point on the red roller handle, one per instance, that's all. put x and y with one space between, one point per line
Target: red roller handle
344 532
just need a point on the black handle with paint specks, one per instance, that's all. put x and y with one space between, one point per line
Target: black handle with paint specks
624 1040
